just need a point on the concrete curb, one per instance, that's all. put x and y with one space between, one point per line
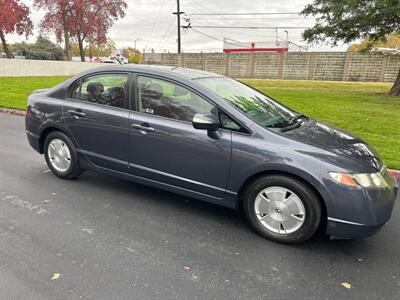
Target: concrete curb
12 111
394 173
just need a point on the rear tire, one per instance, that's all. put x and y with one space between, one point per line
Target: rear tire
61 156
282 209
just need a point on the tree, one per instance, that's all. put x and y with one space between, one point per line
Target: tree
14 18
95 50
125 52
42 49
392 41
107 48
135 57
86 21
58 19
349 20
93 20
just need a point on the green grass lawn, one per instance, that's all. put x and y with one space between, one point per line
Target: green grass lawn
364 109
14 91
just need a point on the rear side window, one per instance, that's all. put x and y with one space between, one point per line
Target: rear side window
105 89
169 100
75 90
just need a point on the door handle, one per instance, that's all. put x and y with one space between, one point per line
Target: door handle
77 113
145 127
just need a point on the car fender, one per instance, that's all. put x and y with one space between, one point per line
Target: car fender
47 127
275 168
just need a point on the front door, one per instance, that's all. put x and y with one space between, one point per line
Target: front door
165 146
97 116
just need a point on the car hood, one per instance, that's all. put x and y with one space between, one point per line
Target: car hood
345 150
39 91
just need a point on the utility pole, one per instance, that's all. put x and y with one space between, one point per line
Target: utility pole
178 14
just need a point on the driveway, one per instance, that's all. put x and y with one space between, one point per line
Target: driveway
104 238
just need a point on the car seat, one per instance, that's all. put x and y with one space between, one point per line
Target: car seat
95 90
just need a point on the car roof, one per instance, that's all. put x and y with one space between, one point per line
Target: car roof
162 70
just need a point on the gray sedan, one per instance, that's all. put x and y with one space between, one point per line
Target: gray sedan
212 138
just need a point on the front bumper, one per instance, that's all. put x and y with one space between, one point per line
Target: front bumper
342 230
360 213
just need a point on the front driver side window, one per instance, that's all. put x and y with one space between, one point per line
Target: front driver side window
169 100
106 89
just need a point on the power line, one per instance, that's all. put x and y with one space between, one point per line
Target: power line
249 27
238 43
244 14
253 18
239 29
219 18
203 8
163 20
157 19
245 33
207 35
166 32
211 36
299 46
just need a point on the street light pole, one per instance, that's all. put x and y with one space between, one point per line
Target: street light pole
178 14
138 39
287 35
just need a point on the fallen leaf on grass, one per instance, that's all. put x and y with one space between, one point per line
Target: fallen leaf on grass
346 285
56 276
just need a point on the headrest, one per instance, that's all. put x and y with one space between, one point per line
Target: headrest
180 91
95 87
155 90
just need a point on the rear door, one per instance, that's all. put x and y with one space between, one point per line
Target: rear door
97 116
165 146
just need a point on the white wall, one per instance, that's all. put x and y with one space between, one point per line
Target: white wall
25 67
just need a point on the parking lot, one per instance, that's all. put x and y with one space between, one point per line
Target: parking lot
100 237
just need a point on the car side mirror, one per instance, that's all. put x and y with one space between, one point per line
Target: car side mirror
206 122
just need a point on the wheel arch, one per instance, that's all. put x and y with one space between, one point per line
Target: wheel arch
45 132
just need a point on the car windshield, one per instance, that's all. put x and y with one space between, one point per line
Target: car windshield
254 104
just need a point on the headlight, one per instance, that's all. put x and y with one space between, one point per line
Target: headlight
367 180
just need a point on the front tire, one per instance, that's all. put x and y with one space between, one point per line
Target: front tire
61 156
282 209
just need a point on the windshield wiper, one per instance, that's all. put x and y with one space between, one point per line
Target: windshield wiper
296 118
293 122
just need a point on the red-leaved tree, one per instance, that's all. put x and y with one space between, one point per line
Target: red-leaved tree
14 18
57 19
82 20
93 20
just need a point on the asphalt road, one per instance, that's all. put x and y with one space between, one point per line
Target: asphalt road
112 239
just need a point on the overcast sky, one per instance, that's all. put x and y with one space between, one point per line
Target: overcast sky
152 21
